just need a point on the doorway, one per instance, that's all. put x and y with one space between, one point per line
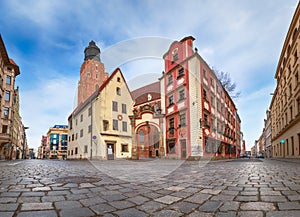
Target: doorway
110 151
148 141
183 149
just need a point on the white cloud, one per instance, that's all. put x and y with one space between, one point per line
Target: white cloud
49 103
243 38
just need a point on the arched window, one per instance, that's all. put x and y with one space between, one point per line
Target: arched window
142 136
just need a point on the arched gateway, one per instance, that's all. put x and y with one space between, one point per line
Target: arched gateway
147 140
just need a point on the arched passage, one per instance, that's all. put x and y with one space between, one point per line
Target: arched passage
147 141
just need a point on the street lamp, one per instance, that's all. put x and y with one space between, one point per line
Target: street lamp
24 139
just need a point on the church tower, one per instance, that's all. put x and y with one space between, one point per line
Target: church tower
92 73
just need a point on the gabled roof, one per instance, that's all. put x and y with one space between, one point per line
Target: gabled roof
97 92
6 59
140 95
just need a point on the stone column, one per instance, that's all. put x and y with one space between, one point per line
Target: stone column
134 151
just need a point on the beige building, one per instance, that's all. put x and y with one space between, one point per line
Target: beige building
100 127
285 104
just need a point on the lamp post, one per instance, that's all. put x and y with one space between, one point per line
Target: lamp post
24 139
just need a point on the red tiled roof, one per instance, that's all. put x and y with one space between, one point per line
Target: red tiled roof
140 95
97 92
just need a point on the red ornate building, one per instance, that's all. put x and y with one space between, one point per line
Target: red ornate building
201 118
148 121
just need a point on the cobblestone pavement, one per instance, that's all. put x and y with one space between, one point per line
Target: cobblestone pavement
260 188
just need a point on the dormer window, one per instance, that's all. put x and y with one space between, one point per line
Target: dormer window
175 55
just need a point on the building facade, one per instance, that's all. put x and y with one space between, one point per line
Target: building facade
99 127
12 136
285 104
201 118
57 142
148 121
268 151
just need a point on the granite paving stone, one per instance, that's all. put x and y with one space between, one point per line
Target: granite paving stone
76 212
36 206
184 207
46 213
168 199
242 187
132 212
102 208
6 214
250 214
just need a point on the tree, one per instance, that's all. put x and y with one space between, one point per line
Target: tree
228 85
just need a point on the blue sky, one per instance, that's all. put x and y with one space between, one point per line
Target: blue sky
47 40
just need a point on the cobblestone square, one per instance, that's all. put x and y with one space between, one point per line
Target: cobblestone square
241 187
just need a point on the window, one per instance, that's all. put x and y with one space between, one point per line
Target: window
204 94
97 86
76 150
124 147
8 79
295 57
115 124
85 149
76 122
118 91
118 79
171 147
71 152
7 96
171 100
206 123
71 124
105 125
297 79
76 136
124 126
6 112
180 73
124 108
4 128
212 83
81 133
171 126
141 135
182 119
90 111
181 94
90 129
81 117
175 55
72 137
115 106
204 73
291 112
170 79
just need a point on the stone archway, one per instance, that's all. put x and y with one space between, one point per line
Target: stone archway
147 141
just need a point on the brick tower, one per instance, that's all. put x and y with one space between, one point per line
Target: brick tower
92 73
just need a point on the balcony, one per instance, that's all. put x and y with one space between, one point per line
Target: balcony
4 138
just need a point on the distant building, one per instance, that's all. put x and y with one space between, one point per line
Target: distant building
268 134
43 152
201 117
285 104
57 142
12 136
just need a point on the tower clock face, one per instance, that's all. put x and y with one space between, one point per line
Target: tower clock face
149 96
